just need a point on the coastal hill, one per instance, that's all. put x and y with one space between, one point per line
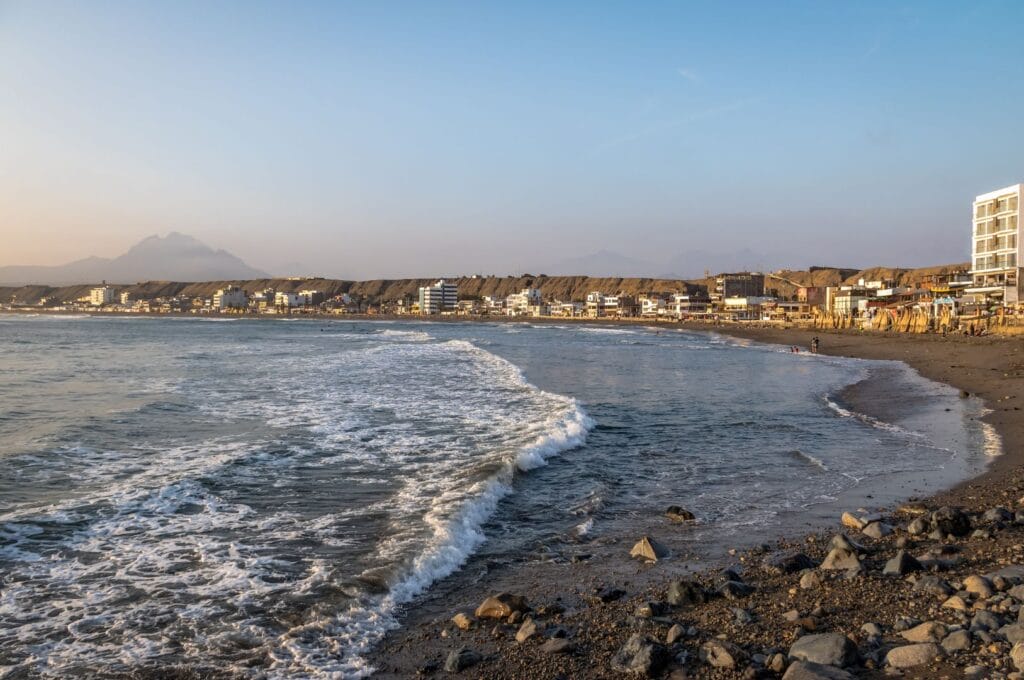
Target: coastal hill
175 257
784 283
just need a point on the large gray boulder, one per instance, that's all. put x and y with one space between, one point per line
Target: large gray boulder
1013 633
686 593
735 590
641 656
877 530
929 631
804 670
957 641
827 649
844 542
787 562
934 586
909 656
461 659
841 559
679 514
951 521
902 564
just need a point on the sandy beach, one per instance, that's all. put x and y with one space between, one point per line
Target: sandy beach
946 609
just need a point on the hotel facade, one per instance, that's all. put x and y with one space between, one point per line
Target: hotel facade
439 298
995 246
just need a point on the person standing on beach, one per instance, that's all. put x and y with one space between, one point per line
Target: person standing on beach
814 345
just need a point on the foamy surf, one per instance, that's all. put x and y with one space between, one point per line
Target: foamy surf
869 420
266 500
219 566
454 538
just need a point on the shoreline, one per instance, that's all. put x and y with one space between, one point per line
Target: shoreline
989 368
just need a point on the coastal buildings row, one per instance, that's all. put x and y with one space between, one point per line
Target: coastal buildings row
991 282
742 296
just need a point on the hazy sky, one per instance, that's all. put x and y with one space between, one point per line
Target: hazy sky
420 138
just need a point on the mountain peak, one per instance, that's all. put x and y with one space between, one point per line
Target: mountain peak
174 257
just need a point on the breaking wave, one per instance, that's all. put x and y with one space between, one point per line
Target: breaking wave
159 550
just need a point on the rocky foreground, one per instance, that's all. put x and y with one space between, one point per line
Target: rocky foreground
925 591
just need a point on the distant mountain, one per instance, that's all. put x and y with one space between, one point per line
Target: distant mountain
175 257
689 265
601 263
693 263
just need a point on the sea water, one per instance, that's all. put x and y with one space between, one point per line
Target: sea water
264 497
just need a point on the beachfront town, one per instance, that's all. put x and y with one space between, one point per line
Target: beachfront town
971 298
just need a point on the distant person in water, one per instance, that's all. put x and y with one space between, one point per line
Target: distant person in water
814 345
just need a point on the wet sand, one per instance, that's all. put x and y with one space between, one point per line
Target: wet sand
991 369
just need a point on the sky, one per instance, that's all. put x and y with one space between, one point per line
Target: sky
386 138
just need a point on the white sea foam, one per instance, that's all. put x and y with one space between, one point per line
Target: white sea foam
816 462
869 420
176 548
584 528
413 336
606 330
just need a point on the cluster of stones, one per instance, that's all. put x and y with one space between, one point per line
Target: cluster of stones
977 621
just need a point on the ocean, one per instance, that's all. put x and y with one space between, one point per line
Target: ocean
264 498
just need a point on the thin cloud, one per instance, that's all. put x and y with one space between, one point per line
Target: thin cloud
689 74
874 47
671 125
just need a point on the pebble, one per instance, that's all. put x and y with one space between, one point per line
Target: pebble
675 633
557 646
872 630
955 602
978 585
721 654
526 631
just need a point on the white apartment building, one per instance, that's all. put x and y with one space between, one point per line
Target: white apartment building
519 304
652 305
288 300
231 297
566 309
995 245
683 304
748 307
101 295
310 297
441 297
126 298
493 304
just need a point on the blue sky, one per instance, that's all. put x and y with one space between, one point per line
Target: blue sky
387 139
